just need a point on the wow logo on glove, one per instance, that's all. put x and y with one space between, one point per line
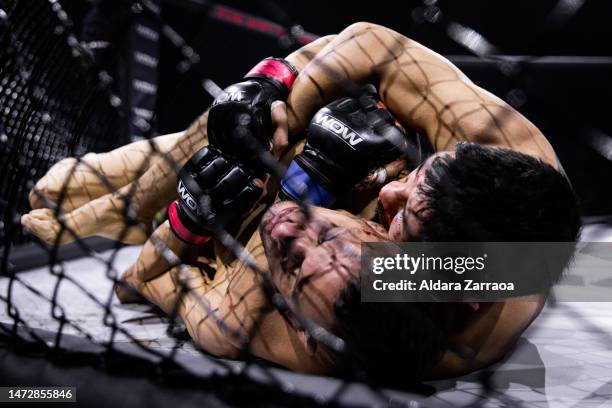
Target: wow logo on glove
348 135
186 196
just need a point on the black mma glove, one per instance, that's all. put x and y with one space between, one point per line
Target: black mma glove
239 121
346 140
213 191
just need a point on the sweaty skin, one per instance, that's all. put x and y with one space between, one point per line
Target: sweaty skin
420 87
94 189
101 205
221 314
423 90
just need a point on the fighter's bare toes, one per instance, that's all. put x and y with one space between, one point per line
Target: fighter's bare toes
98 217
44 224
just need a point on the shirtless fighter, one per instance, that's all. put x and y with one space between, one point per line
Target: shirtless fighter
505 186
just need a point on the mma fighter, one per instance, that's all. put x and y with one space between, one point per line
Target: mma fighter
501 183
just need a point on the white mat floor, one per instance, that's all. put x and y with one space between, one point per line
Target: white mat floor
563 360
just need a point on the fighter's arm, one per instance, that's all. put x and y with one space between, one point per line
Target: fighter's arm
161 177
302 56
224 315
184 291
418 85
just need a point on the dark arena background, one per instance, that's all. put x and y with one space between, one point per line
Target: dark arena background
86 77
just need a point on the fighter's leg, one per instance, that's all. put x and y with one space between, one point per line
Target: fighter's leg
96 174
140 199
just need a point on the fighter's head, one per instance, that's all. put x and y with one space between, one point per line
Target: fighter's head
314 262
479 193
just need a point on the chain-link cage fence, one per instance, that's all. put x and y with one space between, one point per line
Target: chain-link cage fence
39 124
61 107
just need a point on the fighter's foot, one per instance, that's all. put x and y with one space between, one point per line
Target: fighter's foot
80 180
101 217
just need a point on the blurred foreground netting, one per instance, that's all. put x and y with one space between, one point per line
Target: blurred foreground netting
57 102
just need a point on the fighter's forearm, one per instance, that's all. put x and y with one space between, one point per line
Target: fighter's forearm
402 69
184 291
324 77
420 87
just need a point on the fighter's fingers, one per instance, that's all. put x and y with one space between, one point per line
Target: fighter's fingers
280 137
382 175
395 168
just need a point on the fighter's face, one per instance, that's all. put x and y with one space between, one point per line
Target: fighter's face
402 205
312 258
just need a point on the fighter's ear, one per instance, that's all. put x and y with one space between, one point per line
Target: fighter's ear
309 343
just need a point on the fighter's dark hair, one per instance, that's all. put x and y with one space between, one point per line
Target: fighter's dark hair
496 194
390 344
482 194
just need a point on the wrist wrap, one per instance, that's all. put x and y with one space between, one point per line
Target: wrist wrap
276 69
179 229
297 184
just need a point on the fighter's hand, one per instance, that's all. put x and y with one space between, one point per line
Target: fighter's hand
346 140
214 191
241 122
384 174
280 137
